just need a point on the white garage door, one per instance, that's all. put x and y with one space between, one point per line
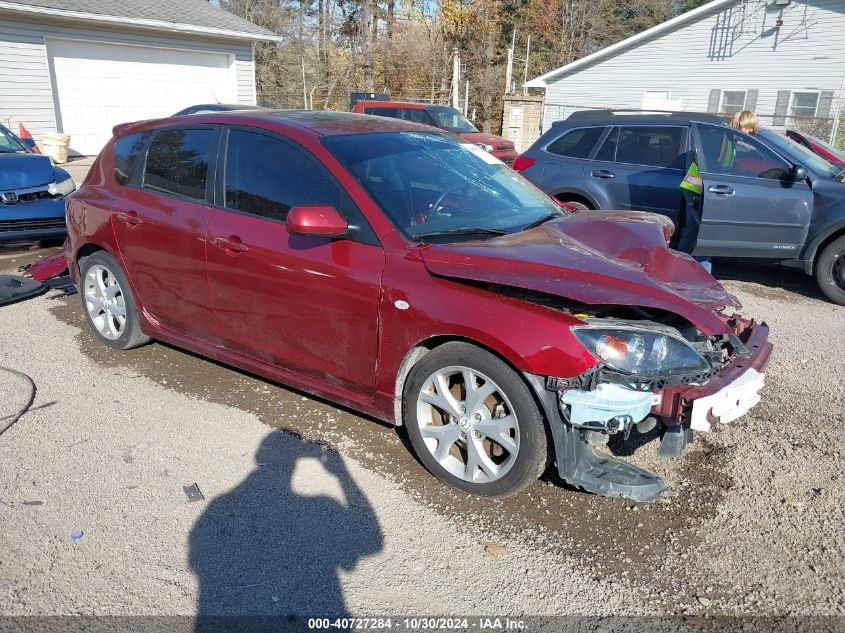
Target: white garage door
101 85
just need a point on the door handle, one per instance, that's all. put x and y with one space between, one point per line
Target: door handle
231 245
130 218
722 190
603 173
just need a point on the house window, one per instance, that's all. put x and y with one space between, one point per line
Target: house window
804 104
733 101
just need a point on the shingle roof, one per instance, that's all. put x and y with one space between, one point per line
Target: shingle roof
196 15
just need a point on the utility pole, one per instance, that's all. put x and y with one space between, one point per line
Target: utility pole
456 78
527 56
509 67
466 98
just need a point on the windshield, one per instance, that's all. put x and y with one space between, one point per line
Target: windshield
8 143
801 154
433 185
450 119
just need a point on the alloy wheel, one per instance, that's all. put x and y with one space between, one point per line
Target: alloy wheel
468 424
105 302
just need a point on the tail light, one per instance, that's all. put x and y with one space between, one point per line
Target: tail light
523 162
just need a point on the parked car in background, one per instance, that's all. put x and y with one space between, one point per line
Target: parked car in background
767 202
393 268
32 192
818 146
205 108
445 118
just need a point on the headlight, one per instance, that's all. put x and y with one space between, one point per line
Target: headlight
485 147
62 188
641 352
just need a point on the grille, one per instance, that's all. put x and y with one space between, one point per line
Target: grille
31 225
508 161
34 195
505 148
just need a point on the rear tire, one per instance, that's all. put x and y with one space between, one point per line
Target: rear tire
488 439
830 271
108 303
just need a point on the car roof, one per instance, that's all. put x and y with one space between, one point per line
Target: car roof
639 117
319 122
394 104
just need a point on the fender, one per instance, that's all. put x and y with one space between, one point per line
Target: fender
578 192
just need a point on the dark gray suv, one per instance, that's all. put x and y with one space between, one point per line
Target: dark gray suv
763 196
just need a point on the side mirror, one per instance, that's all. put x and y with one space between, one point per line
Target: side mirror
798 174
317 220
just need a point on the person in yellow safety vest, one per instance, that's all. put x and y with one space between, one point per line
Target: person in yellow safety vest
692 190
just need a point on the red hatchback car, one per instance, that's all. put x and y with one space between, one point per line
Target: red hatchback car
389 267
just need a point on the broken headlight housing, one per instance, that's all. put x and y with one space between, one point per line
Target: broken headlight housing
641 352
61 188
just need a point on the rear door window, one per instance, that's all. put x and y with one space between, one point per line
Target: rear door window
577 143
127 151
416 115
393 113
663 147
177 163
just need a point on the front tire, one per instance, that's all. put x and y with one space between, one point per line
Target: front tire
108 302
830 271
473 422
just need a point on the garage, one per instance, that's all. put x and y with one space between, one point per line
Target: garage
82 67
100 85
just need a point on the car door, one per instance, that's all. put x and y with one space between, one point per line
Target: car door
647 165
159 223
306 304
752 208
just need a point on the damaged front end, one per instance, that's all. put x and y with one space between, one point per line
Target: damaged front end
648 373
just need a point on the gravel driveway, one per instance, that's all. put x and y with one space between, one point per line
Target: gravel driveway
315 510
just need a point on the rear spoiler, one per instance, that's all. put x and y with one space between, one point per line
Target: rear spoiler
120 128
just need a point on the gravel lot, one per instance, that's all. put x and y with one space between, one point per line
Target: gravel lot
312 509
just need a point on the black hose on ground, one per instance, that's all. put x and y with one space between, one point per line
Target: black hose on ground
31 385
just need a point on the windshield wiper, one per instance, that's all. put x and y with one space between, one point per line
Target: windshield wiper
542 220
465 231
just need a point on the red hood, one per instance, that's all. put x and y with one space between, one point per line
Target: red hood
487 139
595 258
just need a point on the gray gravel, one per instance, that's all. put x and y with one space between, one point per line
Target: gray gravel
290 526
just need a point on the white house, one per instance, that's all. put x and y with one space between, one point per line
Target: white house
82 66
785 59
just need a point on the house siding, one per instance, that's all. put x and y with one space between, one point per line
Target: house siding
737 48
26 94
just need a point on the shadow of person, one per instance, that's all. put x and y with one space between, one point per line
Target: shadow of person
273 545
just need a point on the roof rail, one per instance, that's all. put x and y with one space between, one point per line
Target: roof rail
583 115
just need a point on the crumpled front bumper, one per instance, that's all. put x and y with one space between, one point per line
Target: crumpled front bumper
727 395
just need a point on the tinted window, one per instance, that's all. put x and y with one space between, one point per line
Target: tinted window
266 176
393 113
177 162
728 151
663 147
607 151
577 143
126 153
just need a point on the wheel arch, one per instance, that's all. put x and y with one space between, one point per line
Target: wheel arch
423 347
566 195
819 244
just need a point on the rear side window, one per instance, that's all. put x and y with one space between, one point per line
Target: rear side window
577 143
663 147
126 153
417 116
266 176
177 162
393 113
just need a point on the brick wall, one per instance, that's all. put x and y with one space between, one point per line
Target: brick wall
521 120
